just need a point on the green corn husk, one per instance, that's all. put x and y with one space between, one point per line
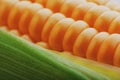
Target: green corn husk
22 60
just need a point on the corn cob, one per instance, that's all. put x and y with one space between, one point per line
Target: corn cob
54 42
